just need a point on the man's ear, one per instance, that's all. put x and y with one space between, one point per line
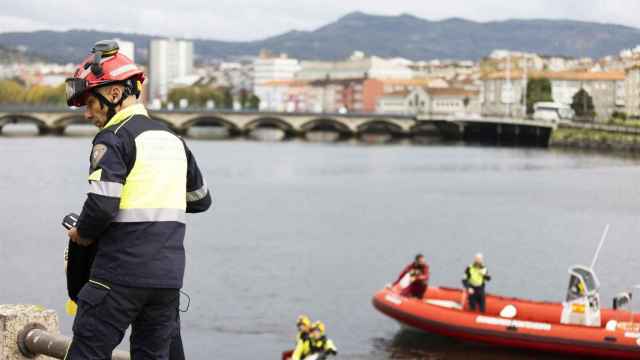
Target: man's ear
115 93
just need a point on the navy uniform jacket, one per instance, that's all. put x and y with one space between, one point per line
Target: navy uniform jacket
144 252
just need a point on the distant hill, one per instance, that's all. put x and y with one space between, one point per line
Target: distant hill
12 55
387 36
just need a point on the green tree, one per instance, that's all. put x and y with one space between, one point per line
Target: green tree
254 102
244 99
11 92
538 90
583 105
227 99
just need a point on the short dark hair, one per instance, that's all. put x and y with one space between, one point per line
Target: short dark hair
419 256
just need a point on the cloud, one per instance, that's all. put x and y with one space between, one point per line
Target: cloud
255 19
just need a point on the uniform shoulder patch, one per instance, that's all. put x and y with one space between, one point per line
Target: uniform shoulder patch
97 153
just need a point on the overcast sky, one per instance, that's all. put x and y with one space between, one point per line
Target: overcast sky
257 19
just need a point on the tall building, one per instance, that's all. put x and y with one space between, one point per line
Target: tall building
127 48
169 60
266 70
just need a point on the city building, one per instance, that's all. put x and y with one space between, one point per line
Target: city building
632 91
127 48
269 68
431 102
169 61
503 92
271 75
358 66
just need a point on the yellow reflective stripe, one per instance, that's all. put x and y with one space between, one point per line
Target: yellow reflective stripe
96 175
100 284
105 188
150 215
129 111
198 194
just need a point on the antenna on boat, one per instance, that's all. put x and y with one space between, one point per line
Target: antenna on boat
602 239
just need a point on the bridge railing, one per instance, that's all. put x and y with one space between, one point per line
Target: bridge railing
52 108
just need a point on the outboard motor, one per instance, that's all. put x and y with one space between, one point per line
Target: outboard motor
582 305
622 300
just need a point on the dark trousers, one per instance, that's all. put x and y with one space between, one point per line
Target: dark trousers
105 311
417 289
176 351
477 299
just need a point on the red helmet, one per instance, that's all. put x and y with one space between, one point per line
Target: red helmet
104 66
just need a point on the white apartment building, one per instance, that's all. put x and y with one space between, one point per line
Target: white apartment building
268 69
127 48
356 67
169 60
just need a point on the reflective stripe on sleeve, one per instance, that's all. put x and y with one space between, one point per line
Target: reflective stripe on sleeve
150 215
105 188
198 194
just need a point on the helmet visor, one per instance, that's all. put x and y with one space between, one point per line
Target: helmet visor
76 91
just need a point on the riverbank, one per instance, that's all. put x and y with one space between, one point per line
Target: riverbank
610 138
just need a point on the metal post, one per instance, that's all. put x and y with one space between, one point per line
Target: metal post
602 239
34 341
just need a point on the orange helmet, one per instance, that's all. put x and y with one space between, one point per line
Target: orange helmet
104 66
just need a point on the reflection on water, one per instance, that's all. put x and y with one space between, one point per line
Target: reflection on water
80 130
208 132
409 344
20 130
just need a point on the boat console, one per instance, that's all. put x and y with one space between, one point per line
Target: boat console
582 304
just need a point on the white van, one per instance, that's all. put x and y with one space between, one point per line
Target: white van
552 112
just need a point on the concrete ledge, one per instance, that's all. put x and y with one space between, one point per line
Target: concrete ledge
15 318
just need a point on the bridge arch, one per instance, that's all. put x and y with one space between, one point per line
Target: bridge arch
169 124
24 119
282 129
379 130
325 129
229 127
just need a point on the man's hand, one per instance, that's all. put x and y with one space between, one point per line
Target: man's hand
75 237
470 291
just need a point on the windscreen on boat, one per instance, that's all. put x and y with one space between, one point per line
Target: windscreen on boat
581 283
588 277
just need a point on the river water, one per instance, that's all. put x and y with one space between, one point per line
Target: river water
317 229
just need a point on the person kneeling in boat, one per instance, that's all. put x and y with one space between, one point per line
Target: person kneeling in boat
315 345
304 328
319 344
418 271
475 276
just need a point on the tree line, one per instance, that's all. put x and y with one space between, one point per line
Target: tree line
13 92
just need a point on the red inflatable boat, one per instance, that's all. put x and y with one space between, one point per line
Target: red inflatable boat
577 326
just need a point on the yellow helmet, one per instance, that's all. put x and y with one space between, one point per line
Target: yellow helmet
318 325
303 320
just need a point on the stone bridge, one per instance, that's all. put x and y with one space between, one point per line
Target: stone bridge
55 120
330 127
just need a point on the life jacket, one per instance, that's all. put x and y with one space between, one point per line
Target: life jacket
476 275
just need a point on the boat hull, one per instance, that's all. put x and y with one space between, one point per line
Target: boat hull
536 327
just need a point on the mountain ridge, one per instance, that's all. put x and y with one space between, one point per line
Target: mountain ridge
403 35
